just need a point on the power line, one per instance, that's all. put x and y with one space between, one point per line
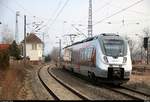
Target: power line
118 12
51 15
137 12
99 9
72 37
80 33
26 9
33 16
8 8
21 6
13 11
59 12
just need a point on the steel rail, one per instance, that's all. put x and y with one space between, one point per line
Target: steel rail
46 87
122 91
68 87
136 91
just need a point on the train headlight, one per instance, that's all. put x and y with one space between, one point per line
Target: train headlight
124 59
105 59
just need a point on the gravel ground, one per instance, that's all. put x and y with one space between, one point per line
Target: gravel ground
57 88
140 78
139 82
21 83
94 92
32 88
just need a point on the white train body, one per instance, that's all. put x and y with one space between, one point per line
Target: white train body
106 56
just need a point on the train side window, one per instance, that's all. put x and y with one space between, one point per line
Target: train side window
89 54
93 58
86 54
81 56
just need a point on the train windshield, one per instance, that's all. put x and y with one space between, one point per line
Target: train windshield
114 47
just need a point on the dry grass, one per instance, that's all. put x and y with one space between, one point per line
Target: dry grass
11 80
140 81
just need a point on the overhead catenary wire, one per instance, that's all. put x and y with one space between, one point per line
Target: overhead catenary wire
53 21
99 9
13 11
10 9
118 12
29 14
58 6
58 14
25 9
137 12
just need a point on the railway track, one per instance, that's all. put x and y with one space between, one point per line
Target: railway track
55 94
76 92
127 88
46 87
133 94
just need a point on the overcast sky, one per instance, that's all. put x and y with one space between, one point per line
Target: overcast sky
59 15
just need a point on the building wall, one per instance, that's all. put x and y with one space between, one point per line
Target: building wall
35 54
4 46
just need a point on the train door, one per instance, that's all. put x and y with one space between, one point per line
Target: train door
93 57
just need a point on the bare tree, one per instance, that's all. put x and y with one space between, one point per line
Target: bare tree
146 31
7 35
55 54
134 48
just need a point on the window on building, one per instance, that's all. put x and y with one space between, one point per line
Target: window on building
34 46
39 45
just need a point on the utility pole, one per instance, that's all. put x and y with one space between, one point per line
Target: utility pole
43 45
147 50
141 54
24 39
146 46
16 28
59 51
59 55
90 26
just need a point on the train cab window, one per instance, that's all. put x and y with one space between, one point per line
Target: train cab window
114 47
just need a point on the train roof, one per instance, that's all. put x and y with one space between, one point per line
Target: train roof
93 38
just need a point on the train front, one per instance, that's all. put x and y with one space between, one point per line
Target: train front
115 63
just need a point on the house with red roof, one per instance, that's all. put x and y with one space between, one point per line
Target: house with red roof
4 46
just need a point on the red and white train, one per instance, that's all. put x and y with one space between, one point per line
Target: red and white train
105 57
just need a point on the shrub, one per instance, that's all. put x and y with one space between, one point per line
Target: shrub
14 51
47 58
4 58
